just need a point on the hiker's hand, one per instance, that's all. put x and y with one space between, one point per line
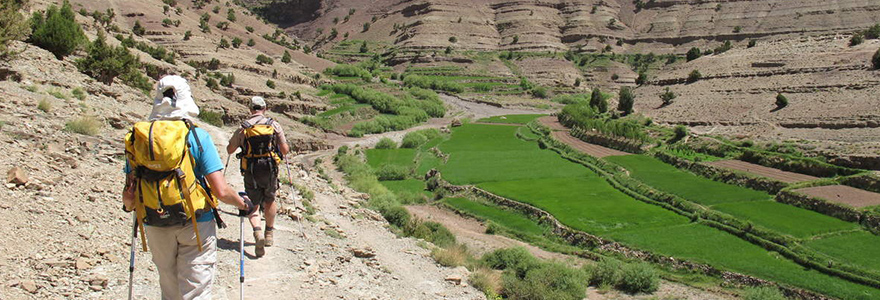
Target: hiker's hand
248 204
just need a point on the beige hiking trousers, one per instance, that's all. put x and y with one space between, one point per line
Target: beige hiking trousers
184 272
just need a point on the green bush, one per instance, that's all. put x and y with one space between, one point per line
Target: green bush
597 101
413 140
236 42
517 259
539 92
856 39
223 43
138 29
607 272
104 63
693 54
349 71
396 215
434 84
571 98
781 101
386 143
430 231
44 105
639 278
78 93
752 43
547 281
392 172
680 132
264 60
762 293
694 76
286 57
876 60
270 83
58 32
87 125
211 117
667 96
251 43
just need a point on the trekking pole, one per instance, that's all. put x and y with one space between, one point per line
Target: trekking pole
227 164
241 258
134 232
292 193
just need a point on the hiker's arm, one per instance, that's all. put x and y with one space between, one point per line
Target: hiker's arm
234 142
128 192
284 148
223 191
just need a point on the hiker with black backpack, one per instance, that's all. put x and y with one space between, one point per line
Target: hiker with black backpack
263 146
173 180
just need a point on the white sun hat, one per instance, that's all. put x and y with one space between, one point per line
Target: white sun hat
179 106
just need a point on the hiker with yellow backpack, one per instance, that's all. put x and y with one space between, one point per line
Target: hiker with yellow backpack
263 146
173 181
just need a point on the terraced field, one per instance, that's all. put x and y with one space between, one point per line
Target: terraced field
492 158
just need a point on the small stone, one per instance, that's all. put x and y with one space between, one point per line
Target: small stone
82 263
96 287
455 278
17 176
29 285
363 252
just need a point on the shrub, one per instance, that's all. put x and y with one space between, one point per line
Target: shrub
876 60
366 27
214 64
752 43
104 63
138 29
396 215
737 29
58 32
643 77
13 26
249 29
413 140
364 48
515 39
286 57
856 39
487 281
236 42
762 293
667 96
78 93
87 125
430 231
607 272
550 281
693 54
571 98
680 132
392 172
626 99
251 42
694 76
230 15
44 105
223 43
223 25
57 94
453 39
434 84
187 35
539 92
264 60
167 22
349 71
270 84
453 256
517 259
386 143
639 278
211 117
781 101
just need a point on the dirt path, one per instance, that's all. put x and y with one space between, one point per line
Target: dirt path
562 134
784 176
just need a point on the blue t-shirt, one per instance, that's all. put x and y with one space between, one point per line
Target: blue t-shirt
207 161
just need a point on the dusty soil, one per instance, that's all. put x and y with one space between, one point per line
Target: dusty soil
784 176
843 194
561 133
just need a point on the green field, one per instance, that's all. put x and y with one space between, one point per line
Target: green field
783 218
510 220
491 157
858 248
379 157
665 177
406 186
511 119
342 109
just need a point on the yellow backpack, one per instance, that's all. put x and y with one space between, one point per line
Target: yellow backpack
168 192
259 147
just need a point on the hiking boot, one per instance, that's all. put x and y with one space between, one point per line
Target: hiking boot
260 242
269 240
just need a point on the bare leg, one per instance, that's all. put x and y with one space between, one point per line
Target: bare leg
254 218
271 210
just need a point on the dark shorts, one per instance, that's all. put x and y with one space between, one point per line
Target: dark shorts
262 189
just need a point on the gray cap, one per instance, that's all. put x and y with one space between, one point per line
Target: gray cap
258 101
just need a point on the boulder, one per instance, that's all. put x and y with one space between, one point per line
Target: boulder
363 252
16 176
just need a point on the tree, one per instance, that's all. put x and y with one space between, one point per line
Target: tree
856 39
694 76
104 63
643 77
187 35
597 101
58 32
236 42
13 26
138 29
667 97
873 32
693 54
230 15
223 43
876 60
270 84
366 27
626 99
286 57
251 42
448 50
214 64
264 60
364 48
515 39
680 132
781 101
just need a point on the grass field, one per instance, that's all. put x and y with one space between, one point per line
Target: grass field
511 119
586 203
672 180
787 219
704 244
851 248
342 109
379 157
508 219
492 158
406 185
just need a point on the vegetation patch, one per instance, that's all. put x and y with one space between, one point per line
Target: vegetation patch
511 119
786 219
